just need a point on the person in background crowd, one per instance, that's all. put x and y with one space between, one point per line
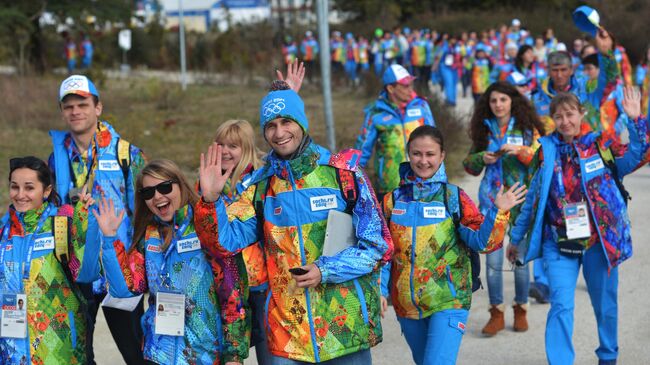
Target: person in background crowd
389 49
41 261
92 155
550 41
502 69
433 223
504 130
549 225
86 51
446 63
314 302
376 51
351 59
540 51
388 122
309 50
643 81
364 54
480 72
70 54
289 50
209 294
337 50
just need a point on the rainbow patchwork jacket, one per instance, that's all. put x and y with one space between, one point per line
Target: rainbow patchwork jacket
607 207
591 94
217 327
387 128
56 326
481 75
508 169
431 269
341 315
253 255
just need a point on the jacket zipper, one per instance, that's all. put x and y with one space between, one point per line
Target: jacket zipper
303 261
413 244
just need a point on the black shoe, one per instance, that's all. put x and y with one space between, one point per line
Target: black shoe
606 362
539 292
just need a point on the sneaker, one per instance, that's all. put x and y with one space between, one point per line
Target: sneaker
539 292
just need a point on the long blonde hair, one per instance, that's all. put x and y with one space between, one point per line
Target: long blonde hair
163 170
239 132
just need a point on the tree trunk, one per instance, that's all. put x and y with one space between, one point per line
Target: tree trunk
37 58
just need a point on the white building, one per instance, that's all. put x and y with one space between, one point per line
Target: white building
201 15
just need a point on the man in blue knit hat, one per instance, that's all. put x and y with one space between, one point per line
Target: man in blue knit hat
321 308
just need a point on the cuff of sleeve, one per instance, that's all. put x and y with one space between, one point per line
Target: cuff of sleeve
108 241
322 266
502 216
233 357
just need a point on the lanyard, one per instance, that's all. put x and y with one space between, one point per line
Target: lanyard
177 235
30 244
92 156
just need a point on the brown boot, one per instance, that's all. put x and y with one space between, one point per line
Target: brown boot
521 323
496 322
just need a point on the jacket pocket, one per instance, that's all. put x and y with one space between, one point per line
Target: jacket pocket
450 282
362 301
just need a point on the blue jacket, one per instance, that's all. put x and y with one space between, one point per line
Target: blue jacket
606 204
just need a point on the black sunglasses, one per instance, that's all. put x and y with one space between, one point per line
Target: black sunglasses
163 188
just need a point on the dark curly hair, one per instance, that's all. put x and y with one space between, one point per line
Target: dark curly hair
520 108
519 60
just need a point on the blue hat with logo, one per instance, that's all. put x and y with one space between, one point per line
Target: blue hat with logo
283 104
516 78
586 19
78 85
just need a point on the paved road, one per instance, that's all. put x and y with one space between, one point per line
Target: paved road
509 347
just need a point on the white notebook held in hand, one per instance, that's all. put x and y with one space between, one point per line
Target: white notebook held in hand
340 233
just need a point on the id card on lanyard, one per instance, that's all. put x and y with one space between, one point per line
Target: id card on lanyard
14 305
576 215
14 316
170 305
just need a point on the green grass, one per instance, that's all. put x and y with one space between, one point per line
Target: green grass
168 123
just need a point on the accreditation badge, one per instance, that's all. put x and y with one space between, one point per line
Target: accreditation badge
14 316
576 218
170 314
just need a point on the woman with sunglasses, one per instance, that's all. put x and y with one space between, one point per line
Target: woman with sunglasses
504 130
197 305
41 257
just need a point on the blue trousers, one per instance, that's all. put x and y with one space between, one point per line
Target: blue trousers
494 265
435 340
603 291
358 358
449 80
351 70
539 272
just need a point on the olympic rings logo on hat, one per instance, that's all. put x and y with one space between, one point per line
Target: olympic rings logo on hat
73 84
273 108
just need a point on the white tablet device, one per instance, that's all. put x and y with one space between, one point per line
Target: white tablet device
340 233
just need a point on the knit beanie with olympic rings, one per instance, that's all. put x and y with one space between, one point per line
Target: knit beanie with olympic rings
283 104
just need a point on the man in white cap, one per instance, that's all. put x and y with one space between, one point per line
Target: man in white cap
388 124
90 154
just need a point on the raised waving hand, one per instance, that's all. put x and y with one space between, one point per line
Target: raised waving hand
211 177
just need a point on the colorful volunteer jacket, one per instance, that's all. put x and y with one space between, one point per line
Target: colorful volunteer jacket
431 269
217 328
421 52
591 94
253 255
71 170
56 326
607 207
508 169
341 315
481 75
338 51
289 52
623 64
643 81
387 128
309 49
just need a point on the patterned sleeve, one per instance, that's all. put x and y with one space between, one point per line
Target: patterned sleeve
138 160
483 234
79 254
124 268
474 163
526 153
232 291
367 138
608 75
374 241
226 231
630 157
385 271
